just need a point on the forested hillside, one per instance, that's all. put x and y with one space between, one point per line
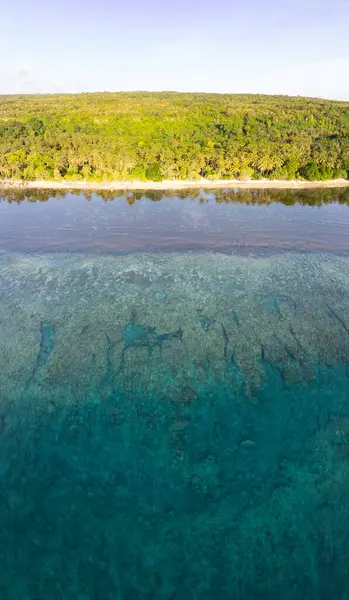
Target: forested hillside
154 136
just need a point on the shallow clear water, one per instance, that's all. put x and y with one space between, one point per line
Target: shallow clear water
174 425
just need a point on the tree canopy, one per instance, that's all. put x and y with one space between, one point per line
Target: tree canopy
168 135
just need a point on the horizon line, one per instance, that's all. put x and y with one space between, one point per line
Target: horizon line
183 93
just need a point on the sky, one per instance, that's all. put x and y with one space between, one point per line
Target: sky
294 47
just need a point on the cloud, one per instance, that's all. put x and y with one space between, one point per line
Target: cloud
26 81
16 81
22 74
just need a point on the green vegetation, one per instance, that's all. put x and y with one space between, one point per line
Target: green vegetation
154 136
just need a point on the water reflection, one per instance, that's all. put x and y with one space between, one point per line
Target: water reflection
221 220
174 422
288 197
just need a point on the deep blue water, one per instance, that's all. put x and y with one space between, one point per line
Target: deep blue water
174 424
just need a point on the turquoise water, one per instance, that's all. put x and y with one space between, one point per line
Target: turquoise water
174 425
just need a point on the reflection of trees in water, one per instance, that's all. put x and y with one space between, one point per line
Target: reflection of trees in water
288 197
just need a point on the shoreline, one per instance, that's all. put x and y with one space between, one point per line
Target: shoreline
171 185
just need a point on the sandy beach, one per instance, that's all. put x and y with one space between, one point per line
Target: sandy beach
171 185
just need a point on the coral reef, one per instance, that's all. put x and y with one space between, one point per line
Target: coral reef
180 432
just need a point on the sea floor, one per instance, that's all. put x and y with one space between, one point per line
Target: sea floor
174 426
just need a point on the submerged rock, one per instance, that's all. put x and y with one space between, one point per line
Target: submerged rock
187 395
140 336
247 444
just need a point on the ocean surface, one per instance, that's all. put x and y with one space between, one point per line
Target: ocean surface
174 396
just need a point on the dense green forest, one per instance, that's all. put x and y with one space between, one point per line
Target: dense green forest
155 136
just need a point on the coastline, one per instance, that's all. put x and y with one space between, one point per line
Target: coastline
171 185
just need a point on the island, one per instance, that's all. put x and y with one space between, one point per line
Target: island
144 140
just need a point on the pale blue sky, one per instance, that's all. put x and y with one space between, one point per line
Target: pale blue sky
297 47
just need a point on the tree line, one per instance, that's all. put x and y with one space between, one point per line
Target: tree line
154 136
